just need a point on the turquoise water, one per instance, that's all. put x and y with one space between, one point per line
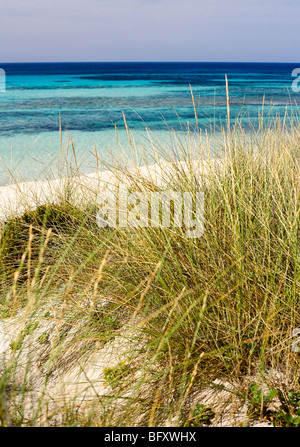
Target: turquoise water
92 96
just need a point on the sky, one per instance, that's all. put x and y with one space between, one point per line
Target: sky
149 30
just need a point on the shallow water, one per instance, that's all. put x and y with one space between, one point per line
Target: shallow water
92 96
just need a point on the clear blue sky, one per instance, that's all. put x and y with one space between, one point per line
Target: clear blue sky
149 30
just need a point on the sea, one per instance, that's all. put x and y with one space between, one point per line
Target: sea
51 111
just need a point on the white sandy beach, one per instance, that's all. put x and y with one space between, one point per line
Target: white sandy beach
18 197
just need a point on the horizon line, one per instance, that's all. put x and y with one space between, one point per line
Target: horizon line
149 62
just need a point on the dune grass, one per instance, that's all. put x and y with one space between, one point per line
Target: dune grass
214 313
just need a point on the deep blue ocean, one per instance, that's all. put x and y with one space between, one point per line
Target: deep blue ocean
92 96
